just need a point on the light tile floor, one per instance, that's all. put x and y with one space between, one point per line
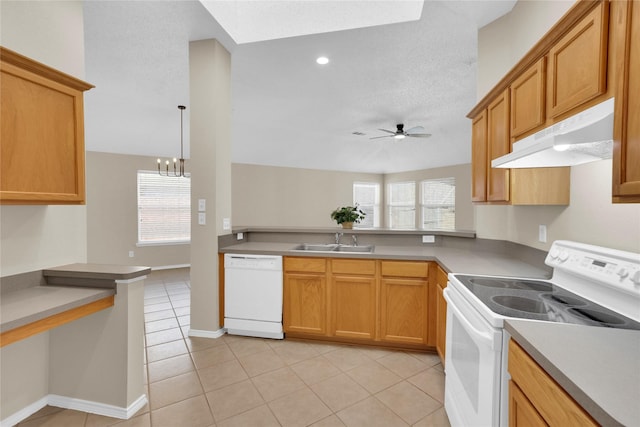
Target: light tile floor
239 381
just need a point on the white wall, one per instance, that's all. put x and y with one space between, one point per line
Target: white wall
590 217
36 237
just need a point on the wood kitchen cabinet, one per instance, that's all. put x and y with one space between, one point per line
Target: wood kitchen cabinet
404 302
354 298
578 63
527 94
479 163
626 131
364 301
441 313
305 295
498 144
535 399
42 137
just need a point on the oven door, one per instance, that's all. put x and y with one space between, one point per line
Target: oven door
473 365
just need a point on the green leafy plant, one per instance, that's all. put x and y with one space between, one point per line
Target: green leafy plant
348 214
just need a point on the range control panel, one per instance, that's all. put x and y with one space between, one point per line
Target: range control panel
612 267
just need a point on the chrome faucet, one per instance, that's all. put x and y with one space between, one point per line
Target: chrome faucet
354 238
338 236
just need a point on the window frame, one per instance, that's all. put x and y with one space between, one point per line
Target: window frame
375 207
411 206
424 206
184 209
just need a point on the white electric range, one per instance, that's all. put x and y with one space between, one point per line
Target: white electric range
591 286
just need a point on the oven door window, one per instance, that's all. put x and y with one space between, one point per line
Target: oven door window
473 361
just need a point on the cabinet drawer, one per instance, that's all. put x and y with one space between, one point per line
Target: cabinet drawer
353 266
548 398
405 268
312 265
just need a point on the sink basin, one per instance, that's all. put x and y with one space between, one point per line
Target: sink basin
314 247
311 247
360 249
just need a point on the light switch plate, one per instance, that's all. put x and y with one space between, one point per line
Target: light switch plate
226 224
202 205
202 218
428 239
542 233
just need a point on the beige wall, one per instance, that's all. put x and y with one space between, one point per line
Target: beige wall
279 196
36 237
591 217
112 216
462 174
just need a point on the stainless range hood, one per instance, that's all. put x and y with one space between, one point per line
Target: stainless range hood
582 138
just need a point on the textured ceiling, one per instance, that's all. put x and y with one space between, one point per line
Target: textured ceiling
287 110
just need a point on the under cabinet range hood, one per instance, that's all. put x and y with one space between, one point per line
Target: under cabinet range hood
582 138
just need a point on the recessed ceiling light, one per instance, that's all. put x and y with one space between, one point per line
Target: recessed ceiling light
322 60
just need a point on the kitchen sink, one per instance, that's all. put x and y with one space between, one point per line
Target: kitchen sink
313 247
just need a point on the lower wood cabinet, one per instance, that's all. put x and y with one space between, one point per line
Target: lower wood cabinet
441 313
535 399
358 300
354 298
305 296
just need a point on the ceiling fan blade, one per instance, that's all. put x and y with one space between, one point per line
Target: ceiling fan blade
415 129
388 131
419 135
383 136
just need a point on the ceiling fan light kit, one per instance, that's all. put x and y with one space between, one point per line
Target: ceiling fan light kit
400 133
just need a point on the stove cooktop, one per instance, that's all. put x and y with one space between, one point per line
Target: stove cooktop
541 300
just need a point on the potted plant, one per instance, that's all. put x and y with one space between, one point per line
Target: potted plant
347 215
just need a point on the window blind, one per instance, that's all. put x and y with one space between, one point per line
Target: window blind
438 204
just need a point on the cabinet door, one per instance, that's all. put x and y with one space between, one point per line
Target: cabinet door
479 158
404 310
626 148
441 313
521 412
353 306
42 137
578 63
527 99
305 303
498 144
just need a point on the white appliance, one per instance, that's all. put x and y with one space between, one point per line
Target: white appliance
582 138
253 295
590 285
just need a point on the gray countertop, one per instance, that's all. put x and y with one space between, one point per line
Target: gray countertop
451 259
98 271
29 305
598 367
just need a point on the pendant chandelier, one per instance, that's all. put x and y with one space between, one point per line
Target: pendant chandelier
177 170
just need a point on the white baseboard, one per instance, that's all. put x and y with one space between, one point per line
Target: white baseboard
206 334
25 412
97 407
78 405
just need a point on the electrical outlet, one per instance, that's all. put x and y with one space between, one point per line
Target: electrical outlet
131 254
542 233
240 236
428 239
202 218
226 224
202 205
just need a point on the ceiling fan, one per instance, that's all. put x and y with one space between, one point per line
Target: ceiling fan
400 133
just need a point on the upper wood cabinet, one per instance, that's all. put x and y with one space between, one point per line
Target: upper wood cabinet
42 137
578 63
626 132
479 157
528 99
498 144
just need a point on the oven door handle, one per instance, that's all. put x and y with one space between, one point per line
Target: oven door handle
487 338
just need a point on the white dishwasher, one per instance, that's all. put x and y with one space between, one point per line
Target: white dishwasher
253 295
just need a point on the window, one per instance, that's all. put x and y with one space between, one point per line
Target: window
438 204
367 196
164 209
402 205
